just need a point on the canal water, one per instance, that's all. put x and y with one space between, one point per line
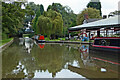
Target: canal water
27 59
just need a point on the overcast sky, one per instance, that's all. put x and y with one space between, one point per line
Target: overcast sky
78 5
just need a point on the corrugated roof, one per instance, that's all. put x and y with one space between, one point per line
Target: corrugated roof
109 22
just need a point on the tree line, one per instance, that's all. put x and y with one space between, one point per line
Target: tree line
52 23
13 18
55 21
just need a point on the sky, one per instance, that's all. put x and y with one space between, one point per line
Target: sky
78 5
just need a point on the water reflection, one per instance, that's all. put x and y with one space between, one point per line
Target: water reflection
55 61
27 42
41 45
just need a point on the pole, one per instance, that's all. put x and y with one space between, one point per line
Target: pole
98 33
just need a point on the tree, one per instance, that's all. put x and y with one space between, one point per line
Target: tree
28 16
0 20
12 17
38 10
50 23
41 9
96 5
114 13
92 13
35 20
68 16
44 26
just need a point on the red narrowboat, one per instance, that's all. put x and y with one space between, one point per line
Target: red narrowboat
41 39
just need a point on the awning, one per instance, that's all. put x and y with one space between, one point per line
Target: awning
103 23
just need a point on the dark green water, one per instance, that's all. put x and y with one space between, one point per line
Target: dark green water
26 59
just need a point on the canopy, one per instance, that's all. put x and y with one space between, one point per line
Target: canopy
103 23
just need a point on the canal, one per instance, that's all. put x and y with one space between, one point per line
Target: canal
27 59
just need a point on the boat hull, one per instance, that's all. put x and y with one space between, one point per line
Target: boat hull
105 49
40 41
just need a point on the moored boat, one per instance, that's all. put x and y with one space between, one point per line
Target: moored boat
40 39
106 44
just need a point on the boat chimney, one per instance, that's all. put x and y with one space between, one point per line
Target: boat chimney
104 16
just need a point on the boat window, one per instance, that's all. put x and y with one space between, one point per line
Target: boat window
107 42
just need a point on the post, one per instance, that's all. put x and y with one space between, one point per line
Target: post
106 33
98 33
89 36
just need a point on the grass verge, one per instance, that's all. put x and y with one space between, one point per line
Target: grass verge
2 42
63 39
59 39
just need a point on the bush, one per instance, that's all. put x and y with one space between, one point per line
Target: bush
4 36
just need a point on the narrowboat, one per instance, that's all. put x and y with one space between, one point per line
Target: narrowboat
106 44
40 39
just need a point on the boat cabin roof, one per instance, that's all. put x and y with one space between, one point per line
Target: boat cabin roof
107 38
